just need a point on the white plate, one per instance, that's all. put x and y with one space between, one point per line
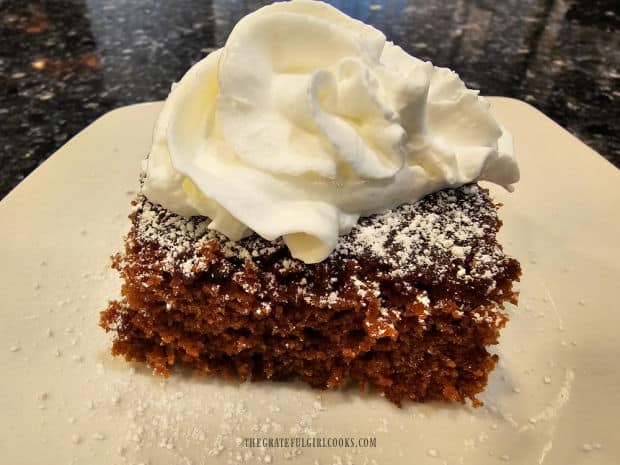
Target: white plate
554 398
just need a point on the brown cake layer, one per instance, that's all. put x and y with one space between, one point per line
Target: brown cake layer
407 304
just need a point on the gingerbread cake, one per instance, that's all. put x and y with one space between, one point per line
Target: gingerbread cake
407 304
310 209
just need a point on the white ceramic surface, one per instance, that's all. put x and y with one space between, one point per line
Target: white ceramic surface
554 399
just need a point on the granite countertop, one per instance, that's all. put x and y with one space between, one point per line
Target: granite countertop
63 63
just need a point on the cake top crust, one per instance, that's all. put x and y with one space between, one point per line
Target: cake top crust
444 243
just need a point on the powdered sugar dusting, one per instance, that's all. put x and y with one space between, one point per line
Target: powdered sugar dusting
440 234
182 239
446 239
445 232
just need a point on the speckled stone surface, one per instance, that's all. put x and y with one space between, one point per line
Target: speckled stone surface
63 63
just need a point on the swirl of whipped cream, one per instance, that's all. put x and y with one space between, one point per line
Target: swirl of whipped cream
308 119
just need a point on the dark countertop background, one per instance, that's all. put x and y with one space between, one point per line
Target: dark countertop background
63 63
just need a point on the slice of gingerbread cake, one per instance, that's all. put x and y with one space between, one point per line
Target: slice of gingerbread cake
407 304
310 209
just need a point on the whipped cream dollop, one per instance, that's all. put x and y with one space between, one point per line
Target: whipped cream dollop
308 119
